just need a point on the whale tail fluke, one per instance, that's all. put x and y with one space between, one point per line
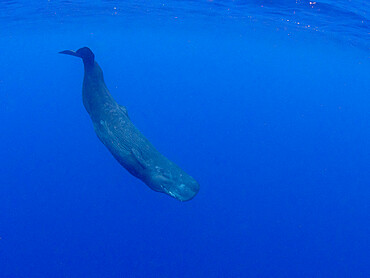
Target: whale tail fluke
70 52
84 53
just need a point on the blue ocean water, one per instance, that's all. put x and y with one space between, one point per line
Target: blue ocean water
265 103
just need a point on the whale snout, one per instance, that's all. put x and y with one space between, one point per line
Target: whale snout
174 182
183 191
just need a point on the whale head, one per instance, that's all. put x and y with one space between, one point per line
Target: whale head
84 53
174 182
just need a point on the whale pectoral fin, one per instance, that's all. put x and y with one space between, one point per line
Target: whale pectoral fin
140 159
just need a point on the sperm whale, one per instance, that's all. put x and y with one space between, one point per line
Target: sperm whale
125 142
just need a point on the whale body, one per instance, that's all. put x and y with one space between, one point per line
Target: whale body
125 142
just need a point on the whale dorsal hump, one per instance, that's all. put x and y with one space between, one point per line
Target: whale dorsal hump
123 109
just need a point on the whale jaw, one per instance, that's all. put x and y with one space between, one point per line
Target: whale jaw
182 188
182 193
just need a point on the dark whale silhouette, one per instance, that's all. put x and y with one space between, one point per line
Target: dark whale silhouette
126 143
